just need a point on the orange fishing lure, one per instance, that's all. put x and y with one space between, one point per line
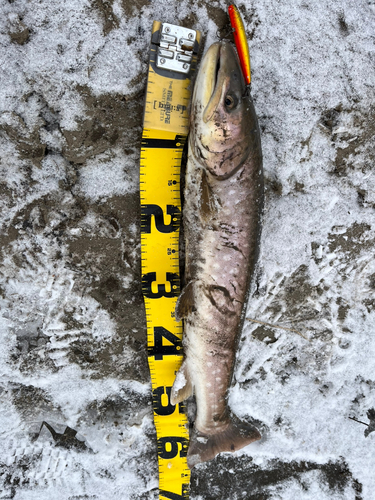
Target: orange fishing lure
240 41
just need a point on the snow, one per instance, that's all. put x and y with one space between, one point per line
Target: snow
97 182
313 80
180 381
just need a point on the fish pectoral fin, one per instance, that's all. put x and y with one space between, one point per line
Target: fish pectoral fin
208 200
205 447
185 302
182 387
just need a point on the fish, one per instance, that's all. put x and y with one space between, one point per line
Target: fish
222 223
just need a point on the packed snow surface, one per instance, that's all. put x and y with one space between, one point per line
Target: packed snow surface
72 325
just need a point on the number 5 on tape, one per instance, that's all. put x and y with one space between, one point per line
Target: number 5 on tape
173 56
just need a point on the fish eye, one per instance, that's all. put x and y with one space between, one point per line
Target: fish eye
230 101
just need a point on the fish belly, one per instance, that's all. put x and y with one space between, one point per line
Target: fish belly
220 254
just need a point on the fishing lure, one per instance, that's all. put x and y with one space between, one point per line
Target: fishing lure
240 41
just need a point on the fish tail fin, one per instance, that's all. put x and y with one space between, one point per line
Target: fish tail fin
182 387
205 447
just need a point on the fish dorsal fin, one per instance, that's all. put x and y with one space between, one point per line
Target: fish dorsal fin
185 302
208 201
182 387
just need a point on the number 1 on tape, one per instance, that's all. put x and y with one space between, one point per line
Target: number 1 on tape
166 122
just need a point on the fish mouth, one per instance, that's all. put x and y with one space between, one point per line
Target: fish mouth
216 90
208 77
217 69
215 72
222 66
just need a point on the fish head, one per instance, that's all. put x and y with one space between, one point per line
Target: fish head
222 114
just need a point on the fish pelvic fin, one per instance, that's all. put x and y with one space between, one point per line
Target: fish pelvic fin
185 302
203 448
182 387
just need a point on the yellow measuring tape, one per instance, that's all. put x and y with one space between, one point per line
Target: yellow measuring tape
166 121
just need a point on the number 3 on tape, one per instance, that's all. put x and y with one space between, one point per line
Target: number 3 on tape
173 57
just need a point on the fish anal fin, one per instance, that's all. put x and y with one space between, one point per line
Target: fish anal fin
185 302
182 387
203 448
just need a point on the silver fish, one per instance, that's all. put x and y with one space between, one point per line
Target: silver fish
223 205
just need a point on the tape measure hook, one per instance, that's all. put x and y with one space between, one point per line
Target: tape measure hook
176 47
